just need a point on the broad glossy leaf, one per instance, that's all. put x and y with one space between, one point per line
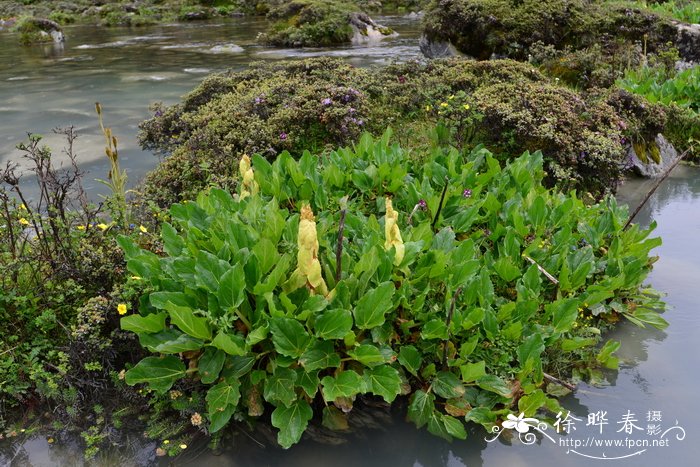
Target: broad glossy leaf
183 343
279 388
289 337
411 359
383 381
232 344
371 308
320 355
292 422
495 384
472 371
172 242
231 291
220 419
434 329
564 313
345 384
154 322
160 299
530 403
333 324
454 427
210 364
158 373
421 407
447 385
308 381
367 354
267 254
223 395
185 319
237 366
334 419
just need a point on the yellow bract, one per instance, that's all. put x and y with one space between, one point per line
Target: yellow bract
392 232
248 184
308 271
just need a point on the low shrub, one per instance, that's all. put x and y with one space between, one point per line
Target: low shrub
455 282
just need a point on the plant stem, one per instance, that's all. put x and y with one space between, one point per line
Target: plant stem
442 200
449 320
339 248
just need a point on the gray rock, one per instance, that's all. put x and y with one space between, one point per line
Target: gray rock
437 49
688 41
650 169
365 30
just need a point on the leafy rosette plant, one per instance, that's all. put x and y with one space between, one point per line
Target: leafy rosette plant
454 282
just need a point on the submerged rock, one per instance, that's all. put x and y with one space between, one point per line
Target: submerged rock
365 30
437 48
652 160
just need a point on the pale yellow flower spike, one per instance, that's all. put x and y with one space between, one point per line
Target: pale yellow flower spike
308 271
392 232
248 184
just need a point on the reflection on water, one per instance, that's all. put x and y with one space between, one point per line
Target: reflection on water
44 87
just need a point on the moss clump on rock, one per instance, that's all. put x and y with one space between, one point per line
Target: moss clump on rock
508 28
507 105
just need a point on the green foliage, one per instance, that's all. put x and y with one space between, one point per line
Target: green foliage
303 23
682 10
308 105
465 323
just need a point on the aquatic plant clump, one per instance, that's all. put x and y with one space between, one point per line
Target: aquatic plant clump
457 283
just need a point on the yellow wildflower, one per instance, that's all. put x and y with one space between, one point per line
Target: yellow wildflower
23 221
466 106
248 184
102 226
136 278
308 271
428 108
392 233
81 227
183 446
22 207
444 104
121 308
451 97
143 229
166 441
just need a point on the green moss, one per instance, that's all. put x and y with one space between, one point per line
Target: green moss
303 23
315 103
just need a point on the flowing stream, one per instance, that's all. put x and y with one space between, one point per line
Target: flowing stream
654 390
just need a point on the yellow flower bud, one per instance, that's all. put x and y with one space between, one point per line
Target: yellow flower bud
308 271
392 233
248 184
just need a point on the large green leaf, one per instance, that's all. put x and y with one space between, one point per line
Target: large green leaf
371 308
308 381
494 384
232 344
333 324
530 403
279 388
220 419
421 407
185 319
447 385
367 354
210 364
289 337
319 356
182 343
267 254
564 313
411 359
383 381
345 384
231 292
473 371
292 422
159 373
155 322
222 400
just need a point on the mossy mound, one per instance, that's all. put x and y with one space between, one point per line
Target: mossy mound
508 28
507 105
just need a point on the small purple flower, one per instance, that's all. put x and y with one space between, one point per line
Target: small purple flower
351 110
360 122
467 193
422 204
283 136
327 101
159 113
258 100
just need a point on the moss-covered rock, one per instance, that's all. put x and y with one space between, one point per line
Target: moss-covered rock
303 23
507 105
38 30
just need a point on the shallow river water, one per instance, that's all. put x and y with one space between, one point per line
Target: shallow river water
654 390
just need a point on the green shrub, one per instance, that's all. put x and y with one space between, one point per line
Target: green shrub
313 103
304 23
265 307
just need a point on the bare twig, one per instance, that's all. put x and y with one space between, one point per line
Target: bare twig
656 185
442 200
552 379
542 270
